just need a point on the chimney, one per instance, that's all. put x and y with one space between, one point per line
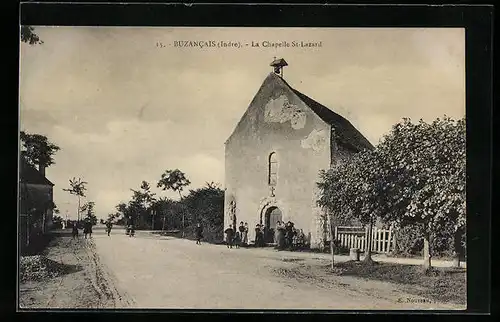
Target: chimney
41 169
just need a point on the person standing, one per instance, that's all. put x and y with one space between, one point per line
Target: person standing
259 236
237 239
229 236
301 238
109 225
199 233
89 224
74 230
241 229
288 235
280 238
85 229
245 235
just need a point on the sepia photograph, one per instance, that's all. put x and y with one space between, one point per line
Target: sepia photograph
242 168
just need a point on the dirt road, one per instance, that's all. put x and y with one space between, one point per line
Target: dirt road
86 283
163 272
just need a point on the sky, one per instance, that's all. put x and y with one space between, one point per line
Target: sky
124 104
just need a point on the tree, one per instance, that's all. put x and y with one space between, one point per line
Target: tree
145 199
77 188
176 181
206 206
111 218
37 149
424 164
28 36
164 206
355 190
88 209
57 221
123 213
415 177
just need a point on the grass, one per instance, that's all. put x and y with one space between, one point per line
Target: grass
442 284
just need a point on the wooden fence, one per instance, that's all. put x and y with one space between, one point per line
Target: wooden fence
382 240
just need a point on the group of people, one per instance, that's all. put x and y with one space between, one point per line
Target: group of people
288 237
87 229
285 236
237 237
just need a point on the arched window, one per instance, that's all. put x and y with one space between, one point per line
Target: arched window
273 169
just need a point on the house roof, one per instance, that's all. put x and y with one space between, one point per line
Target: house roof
345 131
30 175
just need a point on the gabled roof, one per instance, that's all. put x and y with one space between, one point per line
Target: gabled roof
30 175
345 131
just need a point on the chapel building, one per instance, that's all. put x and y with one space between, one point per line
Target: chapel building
275 153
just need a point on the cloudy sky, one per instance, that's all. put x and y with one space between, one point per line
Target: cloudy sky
124 109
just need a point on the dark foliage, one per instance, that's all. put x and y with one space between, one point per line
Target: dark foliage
29 36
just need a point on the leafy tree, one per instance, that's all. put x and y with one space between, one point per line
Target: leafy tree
29 36
176 181
206 206
88 209
57 221
415 177
425 166
167 208
111 218
355 190
144 199
77 188
123 213
37 149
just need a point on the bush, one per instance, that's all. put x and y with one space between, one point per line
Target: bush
410 242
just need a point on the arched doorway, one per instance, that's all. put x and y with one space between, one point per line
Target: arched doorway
271 217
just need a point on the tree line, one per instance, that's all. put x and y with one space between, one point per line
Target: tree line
146 210
414 179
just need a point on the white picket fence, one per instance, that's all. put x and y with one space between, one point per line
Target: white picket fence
382 240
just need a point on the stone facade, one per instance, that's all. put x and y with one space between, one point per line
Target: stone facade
278 122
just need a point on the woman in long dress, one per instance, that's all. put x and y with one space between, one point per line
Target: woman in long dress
245 235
